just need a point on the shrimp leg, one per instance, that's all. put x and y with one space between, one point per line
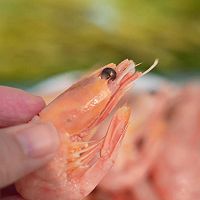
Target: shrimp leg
108 152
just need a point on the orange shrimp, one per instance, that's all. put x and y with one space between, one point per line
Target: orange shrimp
82 161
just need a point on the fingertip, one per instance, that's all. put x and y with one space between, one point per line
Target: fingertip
25 149
18 106
39 140
32 105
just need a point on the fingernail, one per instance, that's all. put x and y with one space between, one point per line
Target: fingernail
38 140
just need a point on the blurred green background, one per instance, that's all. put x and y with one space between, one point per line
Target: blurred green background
40 38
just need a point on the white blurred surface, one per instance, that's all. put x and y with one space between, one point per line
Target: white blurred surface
61 82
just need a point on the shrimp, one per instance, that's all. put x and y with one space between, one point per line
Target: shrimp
82 160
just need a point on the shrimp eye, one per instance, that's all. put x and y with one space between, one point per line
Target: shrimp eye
108 73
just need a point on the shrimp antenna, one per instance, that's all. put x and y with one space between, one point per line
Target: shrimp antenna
138 64
150 68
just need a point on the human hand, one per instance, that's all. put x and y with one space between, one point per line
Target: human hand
24 147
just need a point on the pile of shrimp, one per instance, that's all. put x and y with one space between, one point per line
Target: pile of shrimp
160 154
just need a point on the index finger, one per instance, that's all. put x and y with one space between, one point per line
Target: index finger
18 106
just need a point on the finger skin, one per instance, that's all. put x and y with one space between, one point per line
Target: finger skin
18 106
17 162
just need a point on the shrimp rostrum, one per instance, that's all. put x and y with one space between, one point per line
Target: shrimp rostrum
82 161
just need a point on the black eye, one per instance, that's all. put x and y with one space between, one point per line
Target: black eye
108 73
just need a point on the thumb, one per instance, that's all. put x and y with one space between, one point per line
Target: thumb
25 148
